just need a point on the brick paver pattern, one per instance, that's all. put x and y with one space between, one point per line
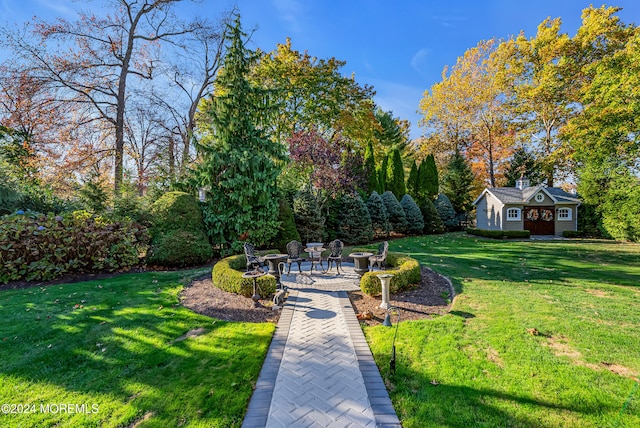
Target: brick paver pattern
319 382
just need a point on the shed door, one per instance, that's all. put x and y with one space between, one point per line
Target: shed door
539 220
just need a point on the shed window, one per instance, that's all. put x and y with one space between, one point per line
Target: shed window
563 214
513 214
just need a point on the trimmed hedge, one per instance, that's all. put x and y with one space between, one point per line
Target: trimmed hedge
406 271
181 248
227 276
499 234
573 234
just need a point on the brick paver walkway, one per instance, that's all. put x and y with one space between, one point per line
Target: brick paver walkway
319 371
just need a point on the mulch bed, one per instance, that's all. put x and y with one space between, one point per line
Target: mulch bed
431 297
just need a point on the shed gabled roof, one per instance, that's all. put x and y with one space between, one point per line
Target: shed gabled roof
513 195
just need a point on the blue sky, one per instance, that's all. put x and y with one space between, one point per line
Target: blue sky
399 47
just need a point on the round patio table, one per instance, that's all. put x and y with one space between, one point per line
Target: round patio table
313 253
361 262
273 260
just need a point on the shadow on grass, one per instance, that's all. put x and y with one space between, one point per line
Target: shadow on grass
116 341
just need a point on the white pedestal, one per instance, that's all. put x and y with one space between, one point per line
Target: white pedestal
385 279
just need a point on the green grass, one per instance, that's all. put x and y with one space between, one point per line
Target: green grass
114 346
483 364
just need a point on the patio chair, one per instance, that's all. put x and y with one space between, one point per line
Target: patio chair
253 261
294 248
380 259
335 255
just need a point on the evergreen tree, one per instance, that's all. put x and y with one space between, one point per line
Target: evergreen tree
354 222
287 231
457 183
428 186
378 214
523 164
309 219
397 217
370 169
413 181
432 221
239 164
382 175
415 221
446 211
395 174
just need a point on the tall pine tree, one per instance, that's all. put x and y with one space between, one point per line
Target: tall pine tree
457 183
428 185
239 163
370 168
413 181
395 174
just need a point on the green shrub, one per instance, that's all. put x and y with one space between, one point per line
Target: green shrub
572 234
44 247
287 231
309 219
354 222
432 221
175 211
397 217
406 271
180 248
446 211
415 221
499 234
226 275
378 214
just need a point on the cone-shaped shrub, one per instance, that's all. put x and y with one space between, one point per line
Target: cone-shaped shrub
309 219
354 222
379 216
415 222
432 221
445 210
397 217
287 231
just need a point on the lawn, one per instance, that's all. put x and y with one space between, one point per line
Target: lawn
114 352
541 334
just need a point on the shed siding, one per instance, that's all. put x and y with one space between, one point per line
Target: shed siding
489 213
563 225
513 225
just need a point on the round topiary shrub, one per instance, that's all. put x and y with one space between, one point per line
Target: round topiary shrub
226 275
405 270
397 217
180 248
175 211
415 221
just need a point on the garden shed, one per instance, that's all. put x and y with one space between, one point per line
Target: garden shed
539 209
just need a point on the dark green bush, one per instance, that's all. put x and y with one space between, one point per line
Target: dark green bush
44 247
309 219
226 275
446 211
572 234
287 231
180 248
499 234
415 221
397 217
406 271
175 211
354 222
432 221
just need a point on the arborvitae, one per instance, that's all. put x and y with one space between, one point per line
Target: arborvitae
370 169
379 216
240 165
382 174
413 181
309 220
457 183
415 222
395 174
287 231
397 217
354 222
428 179
446 211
